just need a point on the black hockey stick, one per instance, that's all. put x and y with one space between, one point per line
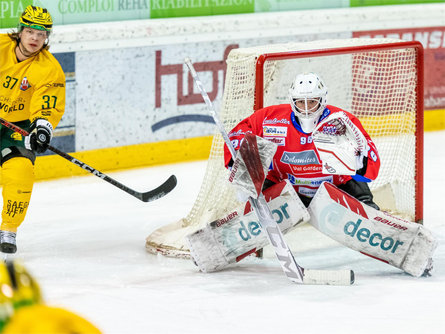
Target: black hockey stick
148 196
291 268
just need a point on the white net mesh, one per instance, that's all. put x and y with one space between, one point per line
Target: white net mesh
378 86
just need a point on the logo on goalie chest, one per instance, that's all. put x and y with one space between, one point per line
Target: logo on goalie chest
305 162
279 131
300 158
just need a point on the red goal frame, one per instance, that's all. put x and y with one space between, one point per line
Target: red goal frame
259 90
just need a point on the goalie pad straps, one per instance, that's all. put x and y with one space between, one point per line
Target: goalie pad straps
238 233
403 244
260 152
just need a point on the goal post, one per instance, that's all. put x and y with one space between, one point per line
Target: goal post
380 81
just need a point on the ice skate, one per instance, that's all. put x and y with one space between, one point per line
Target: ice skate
7 242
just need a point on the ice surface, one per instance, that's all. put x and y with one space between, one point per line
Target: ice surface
83 240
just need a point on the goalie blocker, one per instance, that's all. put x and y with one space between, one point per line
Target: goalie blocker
403 244
238 234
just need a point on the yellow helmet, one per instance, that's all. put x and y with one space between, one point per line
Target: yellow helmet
17 286
36 18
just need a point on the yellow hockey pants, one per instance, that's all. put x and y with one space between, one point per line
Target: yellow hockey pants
18 180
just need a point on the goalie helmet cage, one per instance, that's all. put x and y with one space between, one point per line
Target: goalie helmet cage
380 81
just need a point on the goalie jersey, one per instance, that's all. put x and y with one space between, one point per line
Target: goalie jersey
296 158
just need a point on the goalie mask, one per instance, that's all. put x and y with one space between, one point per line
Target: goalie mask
307 96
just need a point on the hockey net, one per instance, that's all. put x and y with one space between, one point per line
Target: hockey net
378 80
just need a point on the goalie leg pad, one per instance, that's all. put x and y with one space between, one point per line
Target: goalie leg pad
403 244
238 234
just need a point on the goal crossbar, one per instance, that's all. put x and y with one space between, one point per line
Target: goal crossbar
259 90
378 80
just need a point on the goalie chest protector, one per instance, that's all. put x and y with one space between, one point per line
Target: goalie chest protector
296 157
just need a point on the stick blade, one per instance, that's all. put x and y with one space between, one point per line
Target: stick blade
328 277
160 191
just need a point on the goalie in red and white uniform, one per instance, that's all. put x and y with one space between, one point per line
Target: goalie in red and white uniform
318 159
297 159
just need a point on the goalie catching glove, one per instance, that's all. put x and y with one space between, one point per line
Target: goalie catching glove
342 147
40 135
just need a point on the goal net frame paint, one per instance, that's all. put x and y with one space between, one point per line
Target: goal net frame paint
390 106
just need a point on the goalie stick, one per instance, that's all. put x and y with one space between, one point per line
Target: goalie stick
148 196
291 268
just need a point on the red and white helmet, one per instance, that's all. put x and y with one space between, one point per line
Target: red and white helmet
306 87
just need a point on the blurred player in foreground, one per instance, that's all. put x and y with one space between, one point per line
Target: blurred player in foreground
32 95
22 310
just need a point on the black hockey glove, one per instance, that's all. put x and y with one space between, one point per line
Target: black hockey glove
39 136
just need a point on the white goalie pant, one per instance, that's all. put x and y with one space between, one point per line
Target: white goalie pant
238 234
403 244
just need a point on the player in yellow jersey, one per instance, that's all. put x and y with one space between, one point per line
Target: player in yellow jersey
32 95
22 308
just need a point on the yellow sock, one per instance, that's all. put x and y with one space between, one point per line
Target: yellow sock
18 180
